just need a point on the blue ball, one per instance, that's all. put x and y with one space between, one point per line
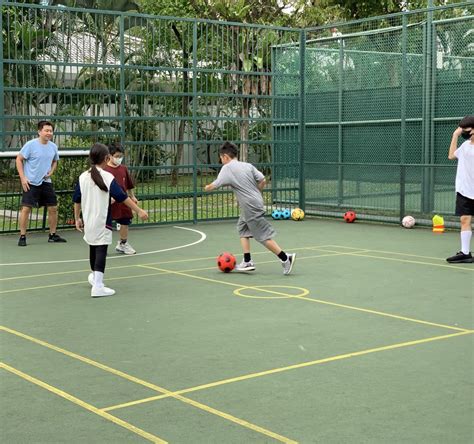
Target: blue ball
286 213
276 214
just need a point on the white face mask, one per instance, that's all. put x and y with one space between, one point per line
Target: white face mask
118 160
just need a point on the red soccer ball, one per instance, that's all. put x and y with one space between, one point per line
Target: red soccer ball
226 262
349 216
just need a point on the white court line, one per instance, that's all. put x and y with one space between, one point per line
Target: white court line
201 239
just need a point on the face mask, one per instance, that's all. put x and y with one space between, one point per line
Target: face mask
466 135
118 160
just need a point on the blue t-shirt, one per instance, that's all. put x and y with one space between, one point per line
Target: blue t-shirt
38 162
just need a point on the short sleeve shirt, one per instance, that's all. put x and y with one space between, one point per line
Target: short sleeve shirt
465 169
124 180
243 178
38 159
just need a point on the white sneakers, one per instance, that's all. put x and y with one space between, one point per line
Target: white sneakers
99 292
245 266
288 264
125 248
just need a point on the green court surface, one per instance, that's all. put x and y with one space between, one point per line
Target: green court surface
369 340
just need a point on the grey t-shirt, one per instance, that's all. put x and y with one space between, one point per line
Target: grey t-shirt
243 178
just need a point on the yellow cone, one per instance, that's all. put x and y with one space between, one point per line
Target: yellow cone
438 224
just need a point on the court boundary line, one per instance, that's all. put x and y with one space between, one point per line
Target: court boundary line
151 386
399 260
350 307
177 261
289 368
66 284
178 394
85 405
68 261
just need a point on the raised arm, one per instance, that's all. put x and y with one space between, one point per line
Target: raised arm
454 143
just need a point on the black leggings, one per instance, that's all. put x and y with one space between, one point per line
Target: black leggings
97 255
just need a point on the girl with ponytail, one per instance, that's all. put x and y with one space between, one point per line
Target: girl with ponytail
93 196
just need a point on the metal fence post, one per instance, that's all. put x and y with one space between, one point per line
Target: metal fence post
403 114
195 160
302 125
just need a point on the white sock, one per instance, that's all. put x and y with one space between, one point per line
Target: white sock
466 241
98 279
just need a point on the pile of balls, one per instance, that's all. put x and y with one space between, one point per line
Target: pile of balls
284 214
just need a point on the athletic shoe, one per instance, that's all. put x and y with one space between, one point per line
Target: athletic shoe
100 292
460 257
245 266
56 238
90 279
125 248
22 241
288 264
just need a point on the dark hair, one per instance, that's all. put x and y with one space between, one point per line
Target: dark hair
115 147
43 123
467 122
230 149
97 155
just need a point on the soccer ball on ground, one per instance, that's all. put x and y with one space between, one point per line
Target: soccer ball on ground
297 214
408 221
349 217
277 214
286 213
226 262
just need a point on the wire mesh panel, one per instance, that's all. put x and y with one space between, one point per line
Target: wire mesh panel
170 90
382 98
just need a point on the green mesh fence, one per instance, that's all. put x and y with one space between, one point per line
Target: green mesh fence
169 89
356 117
382 98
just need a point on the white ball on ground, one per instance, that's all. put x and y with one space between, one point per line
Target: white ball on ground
408 221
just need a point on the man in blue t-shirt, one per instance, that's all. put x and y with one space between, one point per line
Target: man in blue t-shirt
36 163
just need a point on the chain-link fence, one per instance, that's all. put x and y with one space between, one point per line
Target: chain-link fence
381 99
169 89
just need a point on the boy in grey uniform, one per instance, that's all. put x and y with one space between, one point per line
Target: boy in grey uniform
247 183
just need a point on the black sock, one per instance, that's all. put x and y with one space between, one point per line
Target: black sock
22 236
283 257
51 234
123 241
247 257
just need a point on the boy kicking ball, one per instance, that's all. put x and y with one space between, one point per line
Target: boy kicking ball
247 184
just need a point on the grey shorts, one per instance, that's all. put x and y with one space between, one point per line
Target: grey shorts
258 228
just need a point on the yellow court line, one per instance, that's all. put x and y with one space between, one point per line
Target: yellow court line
66 284
288 368
83 404
154 387
412 262
177 261
384 252
320 301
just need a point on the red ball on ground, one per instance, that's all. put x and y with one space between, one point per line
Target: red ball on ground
349 217
226 262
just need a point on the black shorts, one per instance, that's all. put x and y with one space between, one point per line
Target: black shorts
124 221
464 205
40 196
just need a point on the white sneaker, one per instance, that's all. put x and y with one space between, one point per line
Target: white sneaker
288 264
125 248
245 266
90 279
100 292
